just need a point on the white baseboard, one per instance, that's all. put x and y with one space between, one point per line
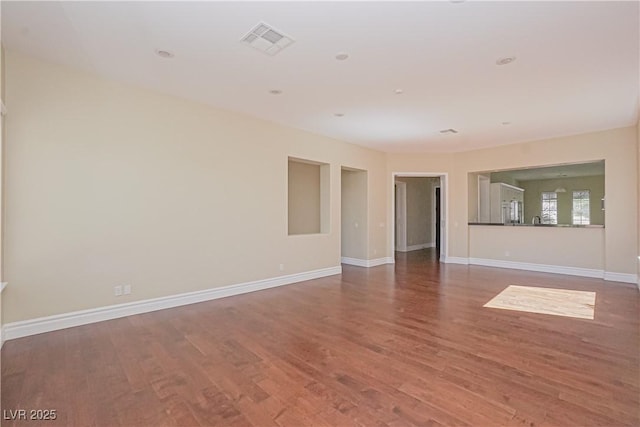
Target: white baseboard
621 277
2 334
556 269
367 262
381 261
67 320
545 268
354 261
418 247
455 260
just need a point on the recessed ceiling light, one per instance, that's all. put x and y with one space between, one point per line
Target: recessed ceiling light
398 91
338 114
342 56
506 60
450 130
164 53
275 92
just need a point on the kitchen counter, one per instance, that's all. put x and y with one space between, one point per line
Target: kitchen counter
537 225
571 247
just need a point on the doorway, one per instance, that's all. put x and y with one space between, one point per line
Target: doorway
418 211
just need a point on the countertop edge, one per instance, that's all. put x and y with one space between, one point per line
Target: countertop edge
493 224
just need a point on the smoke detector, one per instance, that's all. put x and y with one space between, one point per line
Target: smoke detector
448 131
266 39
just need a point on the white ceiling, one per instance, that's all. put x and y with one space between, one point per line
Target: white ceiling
577 66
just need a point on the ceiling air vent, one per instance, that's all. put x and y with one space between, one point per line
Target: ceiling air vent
266 39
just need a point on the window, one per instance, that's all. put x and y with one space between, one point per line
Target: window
549 208
580 211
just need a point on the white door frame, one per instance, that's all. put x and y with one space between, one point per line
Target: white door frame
433 209
444 208
400 205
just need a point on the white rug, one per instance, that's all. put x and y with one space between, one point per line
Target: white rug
559 302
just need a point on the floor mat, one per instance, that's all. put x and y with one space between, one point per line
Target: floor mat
559 302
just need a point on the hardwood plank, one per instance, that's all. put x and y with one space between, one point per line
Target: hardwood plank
398 345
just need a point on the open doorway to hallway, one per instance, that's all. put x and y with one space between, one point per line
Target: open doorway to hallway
418 212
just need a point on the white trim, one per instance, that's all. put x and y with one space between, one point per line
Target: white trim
354 261
418 247
545 268
620 277
67 320
381 261
2 334
455 260
367 262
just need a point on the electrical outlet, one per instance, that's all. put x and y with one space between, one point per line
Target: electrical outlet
127 289
281 267
507 253
117 290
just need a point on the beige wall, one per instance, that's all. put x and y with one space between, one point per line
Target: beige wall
533 197
2 139
354 214
303 198
109 184
617 147
564 246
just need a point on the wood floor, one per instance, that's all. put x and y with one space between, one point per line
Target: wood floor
403 345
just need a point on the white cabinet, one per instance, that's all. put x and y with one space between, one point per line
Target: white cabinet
507 204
